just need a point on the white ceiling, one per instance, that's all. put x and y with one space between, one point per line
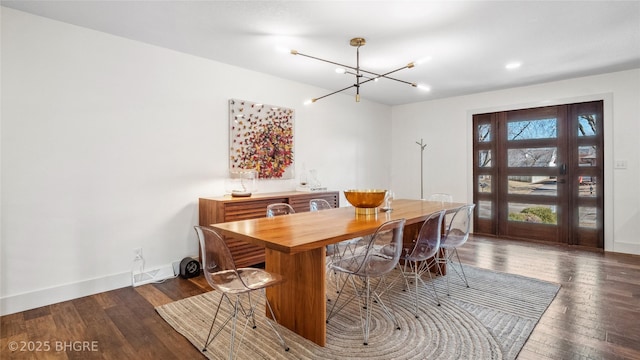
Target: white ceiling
468 43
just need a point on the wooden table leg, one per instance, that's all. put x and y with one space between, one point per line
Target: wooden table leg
300 303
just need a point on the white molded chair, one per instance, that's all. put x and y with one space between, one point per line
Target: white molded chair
234 283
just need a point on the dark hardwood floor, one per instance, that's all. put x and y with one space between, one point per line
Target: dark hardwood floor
596 314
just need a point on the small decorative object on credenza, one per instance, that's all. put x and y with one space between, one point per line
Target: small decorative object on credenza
241 183
309 182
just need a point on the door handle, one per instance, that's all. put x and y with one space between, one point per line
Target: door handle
563 169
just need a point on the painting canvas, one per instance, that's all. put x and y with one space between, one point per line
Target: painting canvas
261 139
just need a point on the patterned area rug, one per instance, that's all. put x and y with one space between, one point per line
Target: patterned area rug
490 320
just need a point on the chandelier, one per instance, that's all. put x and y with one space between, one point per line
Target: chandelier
361 76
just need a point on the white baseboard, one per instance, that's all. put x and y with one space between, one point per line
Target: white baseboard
43 297
34 299
154 275
626 248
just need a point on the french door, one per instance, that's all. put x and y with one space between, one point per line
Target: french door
538 174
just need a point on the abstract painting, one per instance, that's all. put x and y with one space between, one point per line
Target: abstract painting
261 139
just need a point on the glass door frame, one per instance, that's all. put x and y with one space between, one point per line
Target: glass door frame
491 190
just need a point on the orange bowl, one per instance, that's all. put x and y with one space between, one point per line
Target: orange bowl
365 198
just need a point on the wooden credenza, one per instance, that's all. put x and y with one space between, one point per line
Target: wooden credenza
227 208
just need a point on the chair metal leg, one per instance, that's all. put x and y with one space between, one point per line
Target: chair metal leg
215 316
249 314
233 330
282 342
451 266
370 294
443 261
417 270
431 280
391 314
340 293
464 277
365 294
367 320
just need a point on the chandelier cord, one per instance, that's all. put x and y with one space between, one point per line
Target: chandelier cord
358 76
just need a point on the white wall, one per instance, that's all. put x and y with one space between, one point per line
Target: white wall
446 127
108 143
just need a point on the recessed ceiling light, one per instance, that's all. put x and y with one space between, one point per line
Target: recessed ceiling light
513 65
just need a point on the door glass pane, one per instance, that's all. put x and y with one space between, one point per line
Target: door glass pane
484 132
587 125
587 186
484 158
532 157
484 209
587 217
532 129
587 155
532 213
533 185
484 183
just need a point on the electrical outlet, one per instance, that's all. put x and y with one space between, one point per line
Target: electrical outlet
620 164
137 253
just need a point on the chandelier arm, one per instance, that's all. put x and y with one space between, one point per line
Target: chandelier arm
378 76
327 61
398 80
335 92
366 77
390 72
390 78
358 42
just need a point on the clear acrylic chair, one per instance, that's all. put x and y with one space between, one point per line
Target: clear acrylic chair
236 286
422 258
456 234
319 204
278 209
441 197
366 270
334 251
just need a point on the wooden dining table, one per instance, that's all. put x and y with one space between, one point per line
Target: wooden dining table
295 247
